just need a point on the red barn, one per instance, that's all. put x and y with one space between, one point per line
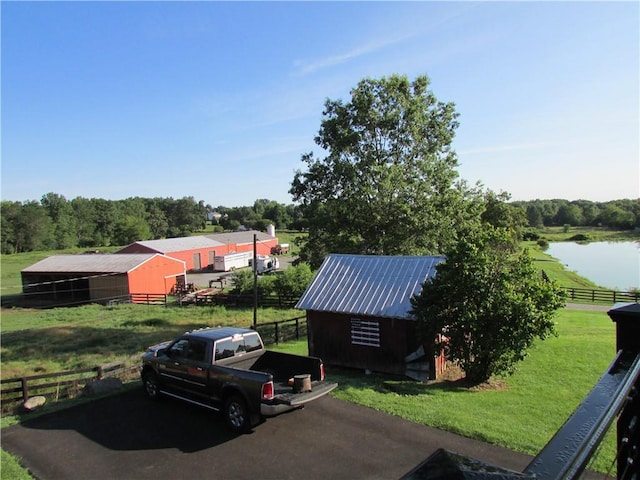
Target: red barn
72 279
358 313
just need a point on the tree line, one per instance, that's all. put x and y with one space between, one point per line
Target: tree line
617 214
55 223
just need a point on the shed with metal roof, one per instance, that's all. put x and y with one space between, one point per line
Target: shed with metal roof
100 278
358 313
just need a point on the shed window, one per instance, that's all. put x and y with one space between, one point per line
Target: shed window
365 333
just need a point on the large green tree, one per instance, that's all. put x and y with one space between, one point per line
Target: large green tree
489 303
388 184
62 215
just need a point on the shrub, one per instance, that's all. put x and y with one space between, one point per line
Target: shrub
580 237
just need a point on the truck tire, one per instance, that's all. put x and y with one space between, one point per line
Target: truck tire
236 414
151 385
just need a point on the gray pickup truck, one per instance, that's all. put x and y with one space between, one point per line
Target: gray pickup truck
229 370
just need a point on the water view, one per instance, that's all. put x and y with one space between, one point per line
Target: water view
614 265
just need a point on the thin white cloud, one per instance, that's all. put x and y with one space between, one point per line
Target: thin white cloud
303 68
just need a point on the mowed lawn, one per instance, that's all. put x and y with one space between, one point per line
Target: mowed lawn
521 412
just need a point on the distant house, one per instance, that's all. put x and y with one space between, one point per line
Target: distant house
76 279
358 313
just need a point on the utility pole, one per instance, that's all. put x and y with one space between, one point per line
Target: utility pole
255 281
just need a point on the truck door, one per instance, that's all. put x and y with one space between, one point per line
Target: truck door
187 368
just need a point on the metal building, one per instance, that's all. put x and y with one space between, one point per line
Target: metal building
358 313
99 278
199 252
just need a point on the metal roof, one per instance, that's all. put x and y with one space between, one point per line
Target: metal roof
378 286
169 245
91 263
239 237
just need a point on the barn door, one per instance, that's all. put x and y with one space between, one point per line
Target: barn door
197 265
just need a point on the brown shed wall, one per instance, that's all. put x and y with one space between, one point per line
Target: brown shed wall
330 338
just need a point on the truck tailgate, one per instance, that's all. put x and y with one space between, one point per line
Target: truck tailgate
284 393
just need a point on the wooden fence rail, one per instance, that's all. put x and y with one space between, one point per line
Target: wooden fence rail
283 330
239 300
59 385
601 296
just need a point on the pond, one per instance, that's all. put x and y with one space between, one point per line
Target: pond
614 265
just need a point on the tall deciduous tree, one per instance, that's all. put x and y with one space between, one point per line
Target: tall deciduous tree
388 182
64 222
489 302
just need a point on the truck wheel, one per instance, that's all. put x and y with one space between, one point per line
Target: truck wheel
236 414
151 386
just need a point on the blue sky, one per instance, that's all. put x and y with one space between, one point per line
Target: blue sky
220 100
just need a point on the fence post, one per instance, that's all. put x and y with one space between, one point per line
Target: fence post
277 334
25 389
297 329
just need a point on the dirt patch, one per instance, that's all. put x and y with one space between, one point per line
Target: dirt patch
454 375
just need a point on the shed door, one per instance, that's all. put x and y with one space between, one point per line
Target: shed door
196 262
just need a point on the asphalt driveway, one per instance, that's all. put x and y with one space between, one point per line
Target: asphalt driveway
127 437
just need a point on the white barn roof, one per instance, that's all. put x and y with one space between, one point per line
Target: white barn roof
227 238
169 245
91 263
379 286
